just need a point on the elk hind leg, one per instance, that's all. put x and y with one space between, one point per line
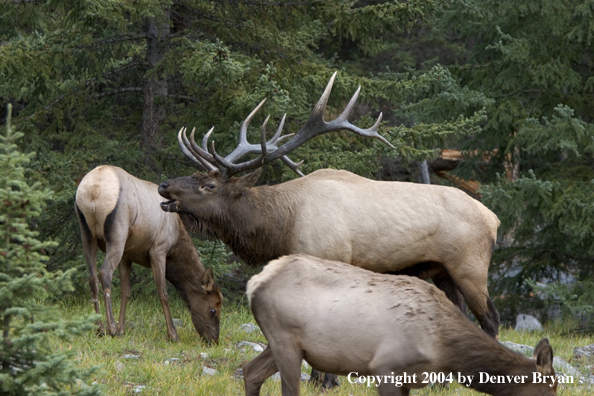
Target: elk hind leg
257 371
113 256
89 243
474 289
125 292
90 252
288 360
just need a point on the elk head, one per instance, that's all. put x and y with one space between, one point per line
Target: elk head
218 181
206 311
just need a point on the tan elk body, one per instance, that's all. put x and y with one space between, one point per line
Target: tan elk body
388 227
120 214
344 320
336 215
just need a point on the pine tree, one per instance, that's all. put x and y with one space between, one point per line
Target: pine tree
534 61
98 82
28 363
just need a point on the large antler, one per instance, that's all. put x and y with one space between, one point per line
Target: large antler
269 150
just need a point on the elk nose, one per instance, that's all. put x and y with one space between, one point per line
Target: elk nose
163 187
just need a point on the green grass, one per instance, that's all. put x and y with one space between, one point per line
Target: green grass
146 337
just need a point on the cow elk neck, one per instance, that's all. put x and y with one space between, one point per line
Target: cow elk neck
240 215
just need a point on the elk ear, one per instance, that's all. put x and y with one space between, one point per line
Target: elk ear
215 173
207 280
543 353
247 181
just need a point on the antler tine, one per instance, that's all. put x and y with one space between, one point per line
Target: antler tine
277 137
246 123
199 152
349 107
269 151
318 111
196 160
263 138
227 168
205 139
244 147
341 122
293 165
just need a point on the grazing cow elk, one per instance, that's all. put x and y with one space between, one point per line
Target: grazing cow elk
119 213
387 227
351 321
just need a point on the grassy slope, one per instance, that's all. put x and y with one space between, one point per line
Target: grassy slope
146 337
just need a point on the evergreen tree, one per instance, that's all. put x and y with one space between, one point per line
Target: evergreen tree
113 81
28 363
535 62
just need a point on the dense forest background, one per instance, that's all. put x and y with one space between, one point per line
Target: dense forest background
509 84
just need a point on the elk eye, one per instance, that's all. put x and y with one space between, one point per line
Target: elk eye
213 312
209 187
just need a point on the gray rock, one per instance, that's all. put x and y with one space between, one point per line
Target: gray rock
523 349
249 327
119 366
585 351
527 323
256 347
171 361
178 323
208 370
304 377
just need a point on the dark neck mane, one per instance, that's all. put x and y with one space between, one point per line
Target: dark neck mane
256 226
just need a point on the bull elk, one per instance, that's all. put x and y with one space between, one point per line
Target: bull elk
430 231
119 214
381 326
389 227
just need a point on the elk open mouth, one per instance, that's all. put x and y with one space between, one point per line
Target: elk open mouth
170 206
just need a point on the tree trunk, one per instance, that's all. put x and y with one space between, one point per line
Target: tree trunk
424 172
155 91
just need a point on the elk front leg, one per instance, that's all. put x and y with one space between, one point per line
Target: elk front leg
126 293
257 371
158 265
444 282
288 360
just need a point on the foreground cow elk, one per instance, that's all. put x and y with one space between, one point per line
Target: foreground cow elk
347 320
120 214
388 227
